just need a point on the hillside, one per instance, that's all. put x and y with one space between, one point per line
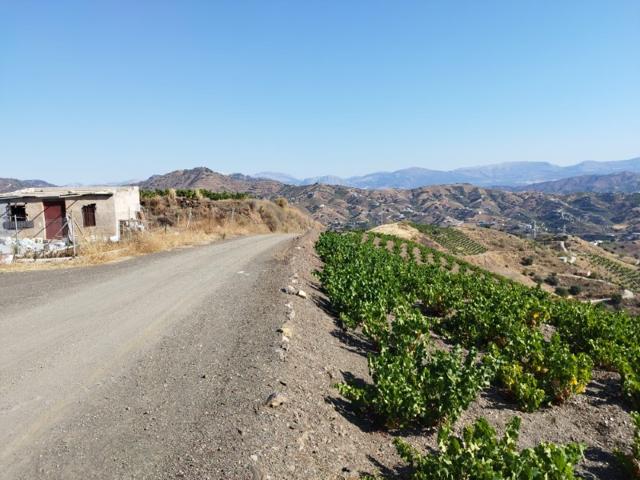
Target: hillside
624 182
592 271
203 177
11 184
580 214
587 214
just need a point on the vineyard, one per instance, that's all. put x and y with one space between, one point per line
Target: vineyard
497 331
626 276
453 240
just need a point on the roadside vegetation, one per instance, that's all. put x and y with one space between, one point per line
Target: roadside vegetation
537 348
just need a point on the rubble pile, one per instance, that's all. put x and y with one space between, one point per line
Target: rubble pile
12 249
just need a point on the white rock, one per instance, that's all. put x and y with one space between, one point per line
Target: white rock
276 399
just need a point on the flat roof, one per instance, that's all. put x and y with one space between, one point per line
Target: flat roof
60 192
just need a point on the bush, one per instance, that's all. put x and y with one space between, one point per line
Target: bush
616 300
540 373
575 290
478 454
552 280
631 463
527 261
415 386
561 292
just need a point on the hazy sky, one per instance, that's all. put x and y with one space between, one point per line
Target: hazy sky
96 91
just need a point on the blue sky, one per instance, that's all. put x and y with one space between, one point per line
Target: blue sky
103 91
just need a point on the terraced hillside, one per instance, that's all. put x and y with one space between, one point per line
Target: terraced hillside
567 265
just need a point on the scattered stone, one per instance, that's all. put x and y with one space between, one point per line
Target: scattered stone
286 330
291 314
290 289
302 294
276 399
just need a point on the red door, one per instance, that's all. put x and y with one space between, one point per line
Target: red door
54 217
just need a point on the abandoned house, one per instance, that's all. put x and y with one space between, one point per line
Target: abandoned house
88 213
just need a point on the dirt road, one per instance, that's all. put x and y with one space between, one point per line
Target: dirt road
150 368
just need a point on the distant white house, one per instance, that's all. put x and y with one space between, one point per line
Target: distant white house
52 213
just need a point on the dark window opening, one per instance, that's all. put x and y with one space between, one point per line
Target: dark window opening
18 212
16 218
89 215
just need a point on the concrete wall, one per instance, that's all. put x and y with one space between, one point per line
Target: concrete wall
106 225
127 204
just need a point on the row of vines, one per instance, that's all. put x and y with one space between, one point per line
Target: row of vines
398 292
453 240
626 276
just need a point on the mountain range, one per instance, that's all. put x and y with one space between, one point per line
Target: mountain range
512 174
624 182
339 206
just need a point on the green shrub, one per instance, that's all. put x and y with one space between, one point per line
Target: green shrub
631 462
479 455
575 290
416 386
539 373
616 300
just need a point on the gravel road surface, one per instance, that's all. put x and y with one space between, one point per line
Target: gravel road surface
148 368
